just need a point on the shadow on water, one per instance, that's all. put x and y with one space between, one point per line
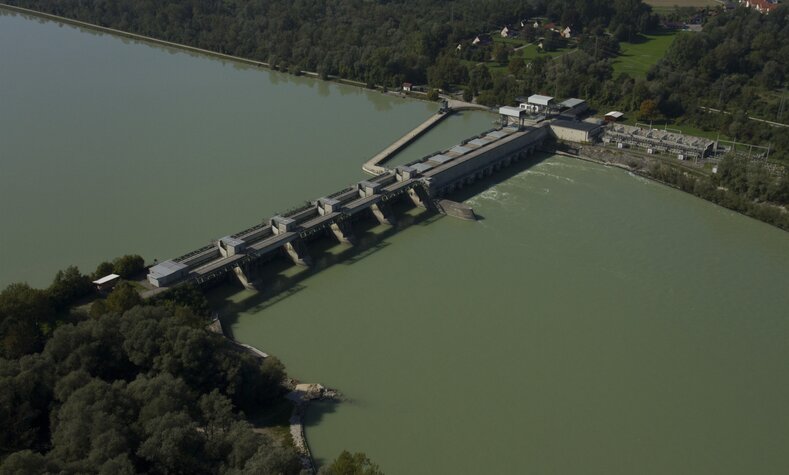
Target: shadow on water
503 175
279 279
314 416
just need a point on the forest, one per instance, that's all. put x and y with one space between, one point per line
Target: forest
737 64
135 389
112 384
377 42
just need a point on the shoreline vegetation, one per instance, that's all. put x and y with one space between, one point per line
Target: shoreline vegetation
774 213
110 383
734 186
714 80
61 361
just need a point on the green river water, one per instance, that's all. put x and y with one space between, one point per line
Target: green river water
592 322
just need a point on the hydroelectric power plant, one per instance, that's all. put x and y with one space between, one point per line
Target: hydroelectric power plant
423 182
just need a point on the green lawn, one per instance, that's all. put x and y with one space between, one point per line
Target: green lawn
636 58
514 42
532 52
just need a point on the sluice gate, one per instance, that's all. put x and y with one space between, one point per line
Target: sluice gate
422 182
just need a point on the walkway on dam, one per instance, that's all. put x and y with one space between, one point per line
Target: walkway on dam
373 167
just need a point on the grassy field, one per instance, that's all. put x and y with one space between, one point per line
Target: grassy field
636 58
531 52
663 7
681 3
528 53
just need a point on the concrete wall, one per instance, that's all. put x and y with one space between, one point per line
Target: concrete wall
571 135
501 151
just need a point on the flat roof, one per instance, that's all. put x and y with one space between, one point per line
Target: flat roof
440 158
422 167
460 149
497 134
573 102
567 124
540 100
479 142
231 241
167 268
511 111
615 114
106 278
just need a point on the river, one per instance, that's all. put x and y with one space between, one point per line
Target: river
592 322
110 146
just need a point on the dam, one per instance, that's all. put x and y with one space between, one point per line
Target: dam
422 182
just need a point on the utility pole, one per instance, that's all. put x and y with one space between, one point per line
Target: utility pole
781 108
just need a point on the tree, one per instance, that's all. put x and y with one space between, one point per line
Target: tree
127 266
123 297
69 286
105 268
19 337
517 65
352 464
26 315
647 109
501 54
27 461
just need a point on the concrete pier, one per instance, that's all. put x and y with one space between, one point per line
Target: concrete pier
298 254
383 213
372 166
343 232
245 280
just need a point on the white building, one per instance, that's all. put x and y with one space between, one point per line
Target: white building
538 103
511 115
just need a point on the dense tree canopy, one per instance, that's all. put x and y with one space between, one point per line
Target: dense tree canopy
139 391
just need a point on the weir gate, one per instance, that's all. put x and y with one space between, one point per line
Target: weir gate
422 182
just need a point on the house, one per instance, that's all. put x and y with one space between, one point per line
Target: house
459 47
507 32
407 86
761 6
482 40
107 282
566 33
613 116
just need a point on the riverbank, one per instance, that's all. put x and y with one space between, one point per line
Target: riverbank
696 182
215 54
